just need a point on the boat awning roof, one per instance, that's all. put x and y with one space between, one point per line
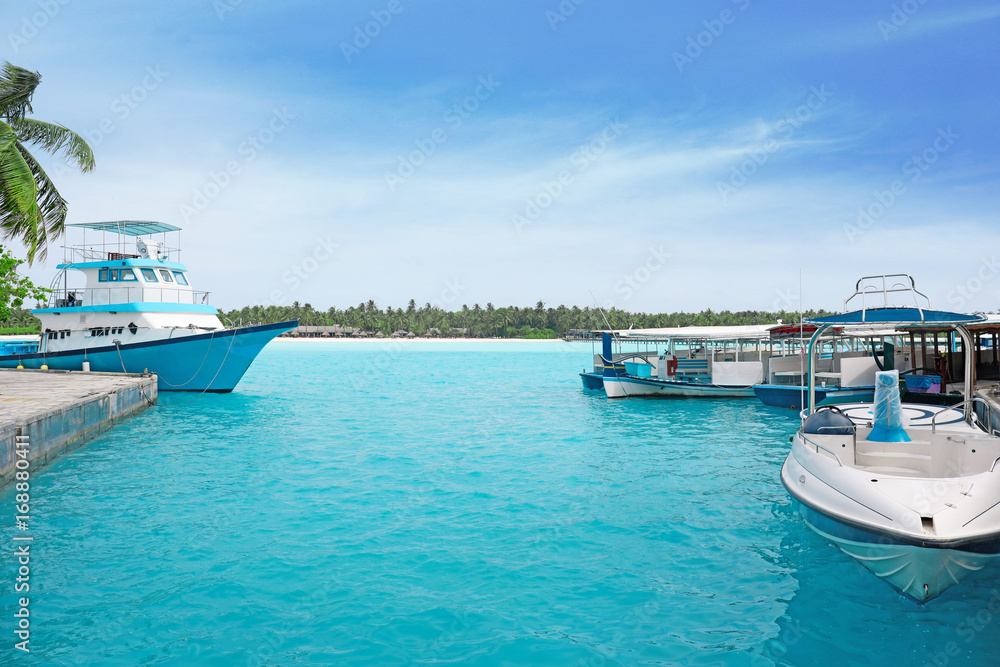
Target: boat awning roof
898 317
701 333
129 227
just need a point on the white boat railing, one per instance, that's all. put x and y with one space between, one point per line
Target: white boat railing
103 252
906 286
106 296
819 447
963 405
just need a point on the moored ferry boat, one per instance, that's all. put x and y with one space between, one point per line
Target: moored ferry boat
136 312
695 362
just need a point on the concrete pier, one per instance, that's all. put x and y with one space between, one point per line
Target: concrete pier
57 410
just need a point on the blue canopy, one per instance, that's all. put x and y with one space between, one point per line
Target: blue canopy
901 316
129 227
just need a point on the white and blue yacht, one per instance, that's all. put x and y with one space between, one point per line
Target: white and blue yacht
127 305
908 487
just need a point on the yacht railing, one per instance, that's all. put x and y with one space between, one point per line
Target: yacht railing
103 252
819 447
105 296
904 284
963 405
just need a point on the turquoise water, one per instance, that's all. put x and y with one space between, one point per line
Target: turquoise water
392 504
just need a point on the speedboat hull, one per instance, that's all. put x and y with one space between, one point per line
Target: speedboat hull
214 361
628 386
921 571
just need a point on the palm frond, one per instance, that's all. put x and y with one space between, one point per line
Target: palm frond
17 85
55 139
20 216
52 207
17 183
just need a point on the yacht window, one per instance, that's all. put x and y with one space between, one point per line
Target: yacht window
166 276
181 280
113 275
149 275
102 275
126 274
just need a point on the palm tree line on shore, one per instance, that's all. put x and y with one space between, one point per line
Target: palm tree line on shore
505 322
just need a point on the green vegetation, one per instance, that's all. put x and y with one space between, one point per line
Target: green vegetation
18 322
31 209
488 322
14 288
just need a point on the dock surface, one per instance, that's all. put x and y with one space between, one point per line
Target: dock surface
57 410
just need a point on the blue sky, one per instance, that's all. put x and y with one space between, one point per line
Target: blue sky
662 155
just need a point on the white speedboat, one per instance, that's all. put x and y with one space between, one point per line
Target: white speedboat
136 312
909 488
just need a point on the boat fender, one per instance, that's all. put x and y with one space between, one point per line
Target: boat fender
828 420
44 367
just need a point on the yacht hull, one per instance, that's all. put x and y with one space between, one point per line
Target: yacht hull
214 361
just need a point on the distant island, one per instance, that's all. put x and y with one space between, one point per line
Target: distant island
538 322
367 319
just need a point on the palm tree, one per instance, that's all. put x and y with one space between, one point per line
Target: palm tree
31 209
